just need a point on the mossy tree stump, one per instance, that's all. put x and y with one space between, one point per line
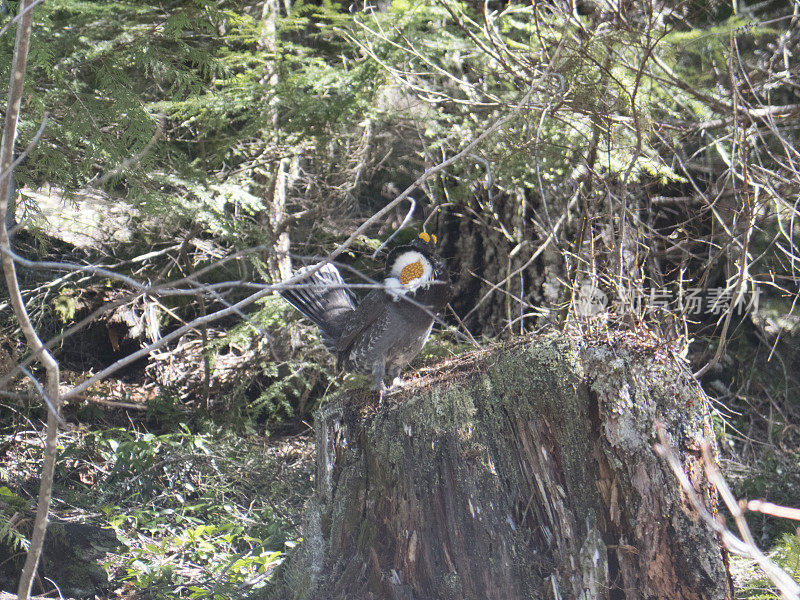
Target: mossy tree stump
529 475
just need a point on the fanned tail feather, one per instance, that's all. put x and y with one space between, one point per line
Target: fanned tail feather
324 298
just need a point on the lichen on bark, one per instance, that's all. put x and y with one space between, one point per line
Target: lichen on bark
530 471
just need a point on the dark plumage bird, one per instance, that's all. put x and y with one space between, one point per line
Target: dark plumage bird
381 334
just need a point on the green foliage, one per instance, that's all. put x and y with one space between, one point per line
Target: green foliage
268 390
443 346
278 400
756 585
65 306
192 85
193 511
166 413
473 73
10 535
217 548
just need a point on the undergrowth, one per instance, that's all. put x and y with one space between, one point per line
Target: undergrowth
753 584
195 513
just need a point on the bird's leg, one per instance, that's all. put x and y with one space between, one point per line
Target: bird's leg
378 373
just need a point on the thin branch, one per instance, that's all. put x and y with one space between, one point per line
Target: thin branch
21 14
407 218
542 247
43 395
66 266
15 91
31 146
787 586
431 171
768 508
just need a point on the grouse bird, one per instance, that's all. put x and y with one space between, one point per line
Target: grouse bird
381 334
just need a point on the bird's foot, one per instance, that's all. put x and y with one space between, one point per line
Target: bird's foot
397 385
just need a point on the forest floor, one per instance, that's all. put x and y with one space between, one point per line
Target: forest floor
191 507
194 509
159 491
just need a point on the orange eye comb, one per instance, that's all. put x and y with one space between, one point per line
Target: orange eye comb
427 238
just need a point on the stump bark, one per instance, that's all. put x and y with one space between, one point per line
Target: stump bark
528 472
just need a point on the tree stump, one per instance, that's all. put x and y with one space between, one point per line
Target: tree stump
528 472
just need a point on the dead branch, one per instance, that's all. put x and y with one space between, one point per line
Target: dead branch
768 508
744 546
18 69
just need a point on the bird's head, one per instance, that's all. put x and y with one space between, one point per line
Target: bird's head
416 265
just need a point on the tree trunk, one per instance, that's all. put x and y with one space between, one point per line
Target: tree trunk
524 473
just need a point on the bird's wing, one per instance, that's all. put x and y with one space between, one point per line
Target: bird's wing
366 313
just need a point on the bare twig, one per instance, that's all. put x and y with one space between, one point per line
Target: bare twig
18 69
407 218
787 586
431 171
768 508
542 247
112 403
65 266
43 395
20 15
